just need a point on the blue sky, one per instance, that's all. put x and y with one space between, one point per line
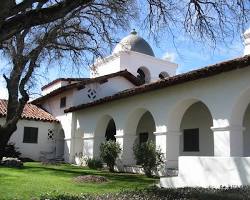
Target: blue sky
185 52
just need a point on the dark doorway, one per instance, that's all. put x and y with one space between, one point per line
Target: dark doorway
110 131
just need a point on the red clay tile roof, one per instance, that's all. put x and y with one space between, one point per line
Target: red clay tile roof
205 72
30 112
82 83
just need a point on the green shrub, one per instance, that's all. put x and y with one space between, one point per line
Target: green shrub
11 151
94 163
147 155
109 153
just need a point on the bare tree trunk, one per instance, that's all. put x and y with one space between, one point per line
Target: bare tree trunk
5 133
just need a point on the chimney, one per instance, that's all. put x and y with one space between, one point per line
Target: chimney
247 42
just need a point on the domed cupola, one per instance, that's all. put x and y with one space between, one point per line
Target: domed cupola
133 42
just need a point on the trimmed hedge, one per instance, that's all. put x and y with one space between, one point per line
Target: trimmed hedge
94 163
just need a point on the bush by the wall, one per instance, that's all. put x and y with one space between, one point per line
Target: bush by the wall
147 155
11 151
109 153
94 163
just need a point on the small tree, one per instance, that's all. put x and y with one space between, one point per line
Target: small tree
109 153
11 151
148 156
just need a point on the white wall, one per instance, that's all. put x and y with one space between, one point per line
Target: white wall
105 66
132 61
52 105
210 172
56 85
246 133
198 116
33 150
219 93
112 86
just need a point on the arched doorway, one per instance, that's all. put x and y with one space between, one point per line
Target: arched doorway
240 123
105 130
139 128
189 131
197 137
60 144
145 128
110 131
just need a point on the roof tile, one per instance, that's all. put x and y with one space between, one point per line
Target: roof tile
30 112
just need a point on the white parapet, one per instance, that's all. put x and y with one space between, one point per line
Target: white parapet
215 172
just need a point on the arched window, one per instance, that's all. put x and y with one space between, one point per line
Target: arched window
163 75
110 131
143 75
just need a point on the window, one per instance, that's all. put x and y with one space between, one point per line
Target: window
163 75
63 102
191 139
30 135
143 137
110 131
141 75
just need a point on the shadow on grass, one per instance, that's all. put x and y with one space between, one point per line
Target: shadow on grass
71 171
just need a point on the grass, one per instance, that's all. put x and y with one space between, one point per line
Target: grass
34 179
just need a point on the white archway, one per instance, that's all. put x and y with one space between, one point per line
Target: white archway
105 130
60 144
187 114
239 122
140 125
144 74
177 112
197 120
239 108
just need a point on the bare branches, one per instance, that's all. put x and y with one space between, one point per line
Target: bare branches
13 21
202 19
84 31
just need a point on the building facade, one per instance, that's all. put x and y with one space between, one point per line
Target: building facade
199 120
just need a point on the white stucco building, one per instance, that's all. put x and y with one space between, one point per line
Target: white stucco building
199 119
38 134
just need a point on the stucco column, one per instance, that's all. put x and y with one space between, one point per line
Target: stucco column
172 148
228 141
68 156
88 146
127 151
161 141
98 139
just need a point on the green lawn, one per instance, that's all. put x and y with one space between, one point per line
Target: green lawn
34 179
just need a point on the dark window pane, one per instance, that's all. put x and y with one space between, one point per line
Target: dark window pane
143 137
110 131
30 135
63 102
141 75
191 139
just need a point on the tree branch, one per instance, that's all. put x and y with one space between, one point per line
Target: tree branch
31 18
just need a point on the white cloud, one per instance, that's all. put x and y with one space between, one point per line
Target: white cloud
170 56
